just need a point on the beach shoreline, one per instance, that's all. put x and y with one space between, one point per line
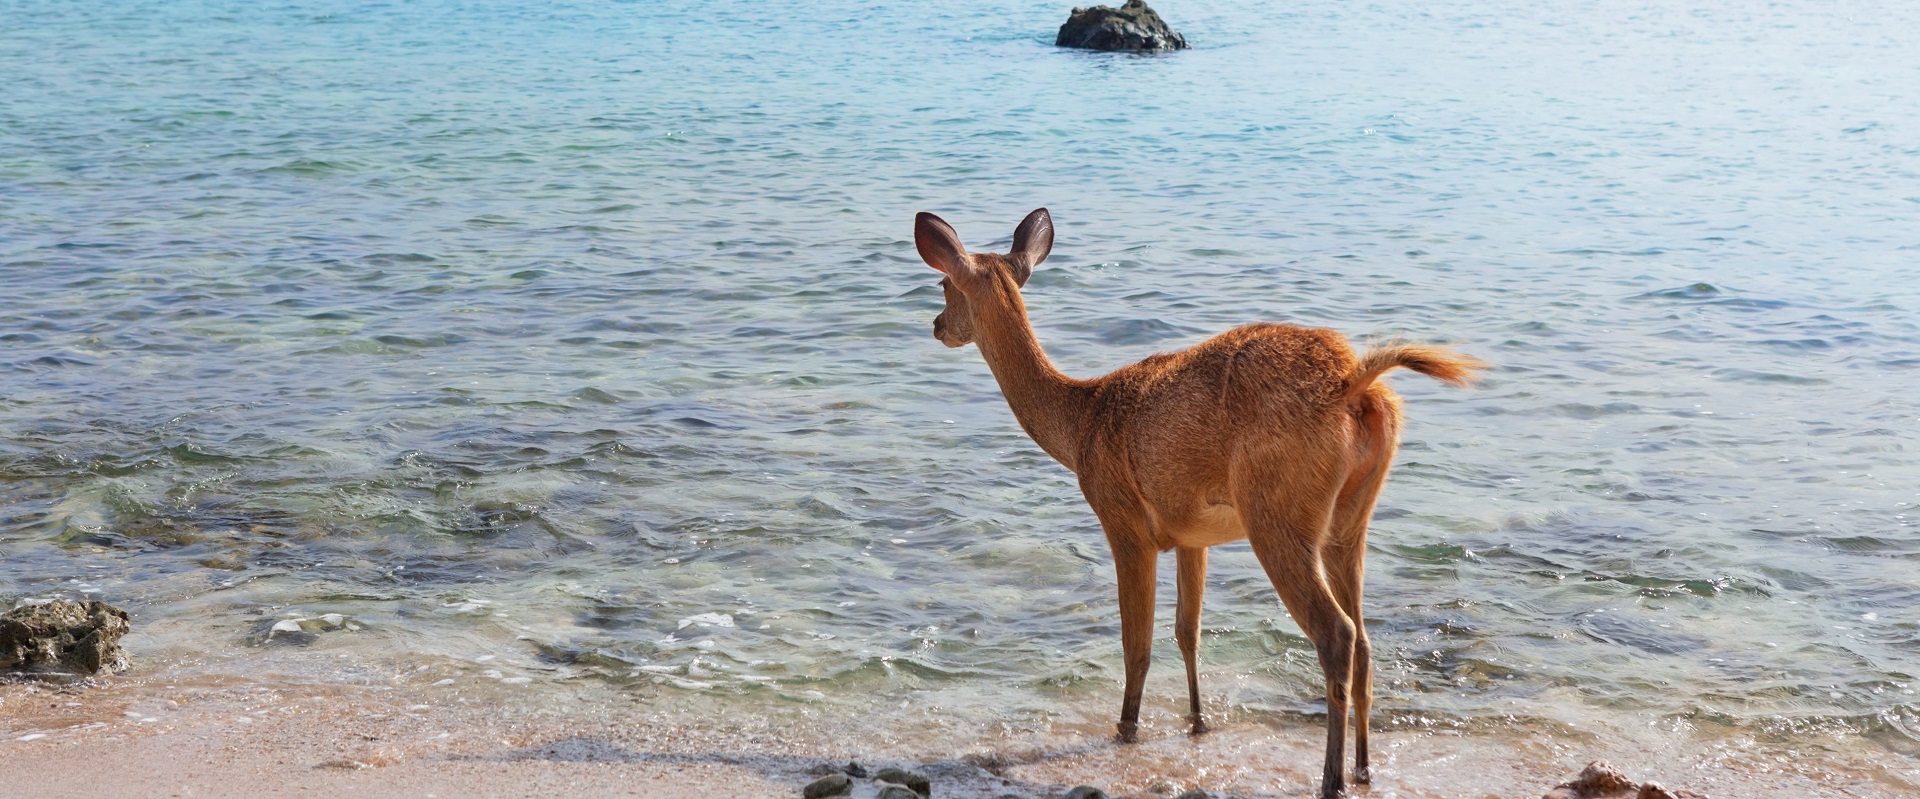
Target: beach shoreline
187 735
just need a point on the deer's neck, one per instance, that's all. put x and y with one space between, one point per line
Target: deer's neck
1051 406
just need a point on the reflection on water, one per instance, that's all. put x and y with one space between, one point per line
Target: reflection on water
606 356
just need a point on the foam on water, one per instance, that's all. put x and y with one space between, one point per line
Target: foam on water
557 335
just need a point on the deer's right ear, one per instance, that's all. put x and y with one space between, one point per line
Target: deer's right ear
939 245
1033 239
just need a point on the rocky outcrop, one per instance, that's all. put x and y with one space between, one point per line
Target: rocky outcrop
1600 780
63 638
1133 26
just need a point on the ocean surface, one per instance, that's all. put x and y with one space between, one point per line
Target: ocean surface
553 344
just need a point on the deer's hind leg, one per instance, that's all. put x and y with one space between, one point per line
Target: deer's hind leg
1345 560
1346 553
1288 529
1192 577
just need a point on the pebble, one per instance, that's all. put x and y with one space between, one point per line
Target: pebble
345 764
830 785
1086 792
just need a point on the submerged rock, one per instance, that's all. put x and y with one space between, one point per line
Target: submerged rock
1600 780
304 631
889 790
1086 792
830 785
64 637
1133 26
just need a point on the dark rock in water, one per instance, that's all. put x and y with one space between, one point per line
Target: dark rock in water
916 781
855 770
830 785
1086 792
75 638
1133 26
890 790
1198 794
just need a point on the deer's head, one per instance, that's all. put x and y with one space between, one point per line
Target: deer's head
975 280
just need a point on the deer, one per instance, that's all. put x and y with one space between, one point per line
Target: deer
1270 433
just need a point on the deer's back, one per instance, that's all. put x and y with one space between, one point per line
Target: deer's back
1247 375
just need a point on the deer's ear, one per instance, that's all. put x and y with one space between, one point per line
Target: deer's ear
939 245
1032 240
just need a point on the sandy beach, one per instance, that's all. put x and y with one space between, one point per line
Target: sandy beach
183 736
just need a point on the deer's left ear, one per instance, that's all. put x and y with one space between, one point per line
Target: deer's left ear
939 245
1032 240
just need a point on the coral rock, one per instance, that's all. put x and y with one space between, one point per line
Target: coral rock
64 637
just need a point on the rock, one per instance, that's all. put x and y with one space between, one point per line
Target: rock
1198 794
1652 790
855 770
914 781
1133 26
64 637
890 790
1600 780
1086 792
830 785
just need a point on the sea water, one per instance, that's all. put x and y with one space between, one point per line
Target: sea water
588 342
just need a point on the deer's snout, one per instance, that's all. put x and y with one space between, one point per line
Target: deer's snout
940 332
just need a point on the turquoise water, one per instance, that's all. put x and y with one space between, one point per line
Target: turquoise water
591 340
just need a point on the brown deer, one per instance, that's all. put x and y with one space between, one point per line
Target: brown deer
1271 433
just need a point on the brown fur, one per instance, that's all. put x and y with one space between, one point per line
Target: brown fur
1272 433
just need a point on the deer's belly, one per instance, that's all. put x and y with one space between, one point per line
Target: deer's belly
1210 524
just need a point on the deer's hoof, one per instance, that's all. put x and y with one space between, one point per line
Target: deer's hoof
1128 732
1363 775
1200 726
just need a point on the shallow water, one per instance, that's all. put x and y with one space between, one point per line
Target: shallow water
591 340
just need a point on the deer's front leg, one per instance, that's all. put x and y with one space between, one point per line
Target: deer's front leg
1186 625
1135 566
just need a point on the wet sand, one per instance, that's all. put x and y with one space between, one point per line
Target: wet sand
229 736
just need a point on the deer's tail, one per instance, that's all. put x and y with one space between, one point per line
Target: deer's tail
1438 363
